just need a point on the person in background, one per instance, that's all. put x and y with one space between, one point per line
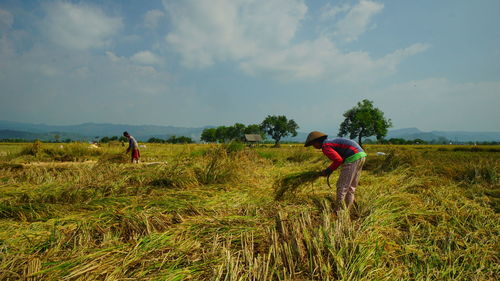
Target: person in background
345 153
132 146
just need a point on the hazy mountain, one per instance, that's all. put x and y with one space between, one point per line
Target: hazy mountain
454 136
411 134
469 136
50 136
89 131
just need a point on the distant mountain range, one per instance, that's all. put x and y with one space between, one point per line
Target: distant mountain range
453 136
91 131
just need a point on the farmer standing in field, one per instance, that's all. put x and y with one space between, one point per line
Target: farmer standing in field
343 152
132 146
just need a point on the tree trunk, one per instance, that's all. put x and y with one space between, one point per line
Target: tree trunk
359 138
277 142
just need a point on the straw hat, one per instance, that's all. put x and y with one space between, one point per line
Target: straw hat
315 135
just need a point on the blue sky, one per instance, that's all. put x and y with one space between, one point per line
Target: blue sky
427 64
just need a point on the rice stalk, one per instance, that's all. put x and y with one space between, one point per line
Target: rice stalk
114 158
292 182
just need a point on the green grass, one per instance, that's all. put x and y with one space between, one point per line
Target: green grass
208 212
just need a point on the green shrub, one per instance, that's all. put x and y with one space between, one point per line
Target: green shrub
35 149
301 155
234 146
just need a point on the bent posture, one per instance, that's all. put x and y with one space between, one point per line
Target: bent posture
132 146
345 153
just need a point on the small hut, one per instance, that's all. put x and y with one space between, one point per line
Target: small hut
253 138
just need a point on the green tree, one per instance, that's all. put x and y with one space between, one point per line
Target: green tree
221 133
363 121
155 140
236 132
397 141
255 129
182 139
229 133
208 135
278 127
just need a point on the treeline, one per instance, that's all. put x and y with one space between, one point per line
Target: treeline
25 140
113 138
396 141
440 141
172 139
230 133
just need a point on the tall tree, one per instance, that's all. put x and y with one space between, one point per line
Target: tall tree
364 120
221 134
208 135
255 129
278 127
236 132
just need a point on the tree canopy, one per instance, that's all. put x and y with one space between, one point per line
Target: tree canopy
172 139
278 126
230 133
364 120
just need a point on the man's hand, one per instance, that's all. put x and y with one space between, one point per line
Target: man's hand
326 172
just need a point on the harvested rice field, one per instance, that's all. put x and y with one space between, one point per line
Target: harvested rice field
229 212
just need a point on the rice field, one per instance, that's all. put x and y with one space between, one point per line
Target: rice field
210 212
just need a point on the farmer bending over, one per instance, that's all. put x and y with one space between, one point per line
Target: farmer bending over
132 146
343 152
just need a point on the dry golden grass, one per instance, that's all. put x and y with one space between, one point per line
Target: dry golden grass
421 213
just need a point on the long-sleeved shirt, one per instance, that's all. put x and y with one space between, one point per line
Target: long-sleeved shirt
341 150
132 143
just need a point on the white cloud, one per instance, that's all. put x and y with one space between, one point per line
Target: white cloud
79 26
152 18
146 57
86 86
206 31
321 59
259 36
330 12
391 61
357 20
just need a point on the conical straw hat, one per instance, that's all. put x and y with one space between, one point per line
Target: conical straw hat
314 136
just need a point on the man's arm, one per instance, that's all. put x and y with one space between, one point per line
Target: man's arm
129 145
334 156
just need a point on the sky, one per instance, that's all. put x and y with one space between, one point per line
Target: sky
434 65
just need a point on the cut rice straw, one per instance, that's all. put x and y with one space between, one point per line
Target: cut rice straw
292 182
114 158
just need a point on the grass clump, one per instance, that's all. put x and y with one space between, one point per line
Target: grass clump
114 158
218 166
176 175
301 155
393 160
52 152
292 182
234 146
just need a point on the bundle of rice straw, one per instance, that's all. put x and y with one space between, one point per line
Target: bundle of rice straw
292 182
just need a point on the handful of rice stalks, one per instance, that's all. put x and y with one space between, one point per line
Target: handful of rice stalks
292 182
